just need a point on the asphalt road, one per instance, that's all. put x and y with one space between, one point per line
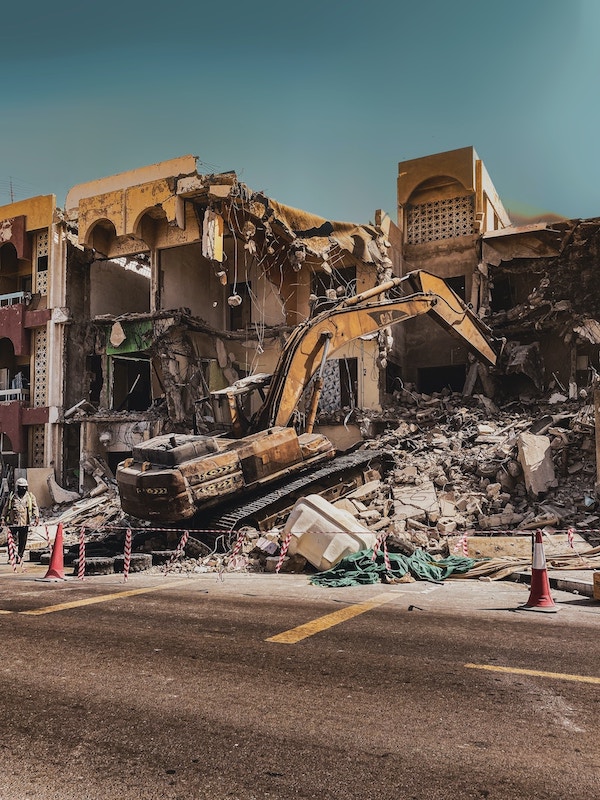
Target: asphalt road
177 692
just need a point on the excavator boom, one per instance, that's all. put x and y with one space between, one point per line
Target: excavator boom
358 316
175 477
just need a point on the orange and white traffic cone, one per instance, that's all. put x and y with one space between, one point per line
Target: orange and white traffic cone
540 598
56 570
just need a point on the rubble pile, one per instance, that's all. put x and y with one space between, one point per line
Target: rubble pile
460 465
465 464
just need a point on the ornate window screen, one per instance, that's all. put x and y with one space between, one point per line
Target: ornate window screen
41 261
40 382
37 445
440 219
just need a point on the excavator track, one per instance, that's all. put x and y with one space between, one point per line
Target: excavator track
267 506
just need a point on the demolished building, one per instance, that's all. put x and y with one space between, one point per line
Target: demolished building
190 282
446 204
157 286
545 299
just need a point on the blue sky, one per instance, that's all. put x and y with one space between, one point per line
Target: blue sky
314 103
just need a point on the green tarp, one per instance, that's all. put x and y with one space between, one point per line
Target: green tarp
138 338
360 568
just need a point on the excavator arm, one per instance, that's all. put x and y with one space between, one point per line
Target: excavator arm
319 338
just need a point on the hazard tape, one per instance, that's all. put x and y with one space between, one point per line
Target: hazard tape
11 549
381 544
178 552
127 555
462 545
81 564
284 549
470 532
378 543
238 544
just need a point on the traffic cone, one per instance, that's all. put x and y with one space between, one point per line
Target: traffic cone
540 598
56 570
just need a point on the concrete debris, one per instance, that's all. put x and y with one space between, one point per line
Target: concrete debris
464 474
535 458
58 494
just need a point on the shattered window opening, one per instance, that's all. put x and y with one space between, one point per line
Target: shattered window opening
131 385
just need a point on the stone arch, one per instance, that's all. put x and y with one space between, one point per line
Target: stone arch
437 187
7 445
9 268
7 356
149 224
101 235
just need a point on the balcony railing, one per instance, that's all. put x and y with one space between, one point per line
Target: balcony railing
10 395
12 299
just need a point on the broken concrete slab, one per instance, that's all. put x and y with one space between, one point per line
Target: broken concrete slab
535 457
57 493
518 546
416 502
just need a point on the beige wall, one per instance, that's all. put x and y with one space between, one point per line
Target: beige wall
116 290
38 210
449 183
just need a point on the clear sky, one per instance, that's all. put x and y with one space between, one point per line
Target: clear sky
314 102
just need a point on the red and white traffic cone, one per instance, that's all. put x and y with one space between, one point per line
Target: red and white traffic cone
540 598
56 570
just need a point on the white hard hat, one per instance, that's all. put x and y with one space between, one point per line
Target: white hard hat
22 482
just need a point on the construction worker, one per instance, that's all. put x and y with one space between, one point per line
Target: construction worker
19 512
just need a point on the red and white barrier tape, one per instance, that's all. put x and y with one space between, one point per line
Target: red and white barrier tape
180 548
238 544
127 555
483 531
378 543
570 535
81 564
381 544
11 549
462 545
284 549
386 556
47 535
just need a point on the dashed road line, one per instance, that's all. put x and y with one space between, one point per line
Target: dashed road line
563 676
329 620
88 601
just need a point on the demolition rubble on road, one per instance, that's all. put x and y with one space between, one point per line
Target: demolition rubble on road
461 466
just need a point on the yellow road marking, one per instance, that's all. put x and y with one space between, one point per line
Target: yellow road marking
88 601
322 623
563 676
5 612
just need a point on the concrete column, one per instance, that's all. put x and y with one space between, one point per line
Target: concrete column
597 428
55 357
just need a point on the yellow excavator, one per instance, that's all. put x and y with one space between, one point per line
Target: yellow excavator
251 470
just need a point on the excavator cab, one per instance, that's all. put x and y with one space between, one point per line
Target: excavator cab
229 409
